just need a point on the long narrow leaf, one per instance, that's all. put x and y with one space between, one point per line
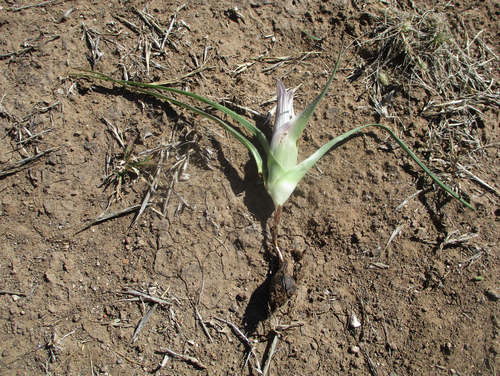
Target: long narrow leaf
302 118
251 147
240 119
292 177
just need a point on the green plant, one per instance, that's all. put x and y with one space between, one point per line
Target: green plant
127 167
282 172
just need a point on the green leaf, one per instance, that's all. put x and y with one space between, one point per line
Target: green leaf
240 119
137 86
303 118
311 36
301 169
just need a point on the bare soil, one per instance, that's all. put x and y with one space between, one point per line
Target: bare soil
427 303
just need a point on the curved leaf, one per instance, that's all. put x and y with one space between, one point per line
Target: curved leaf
240 119
251 147
293 176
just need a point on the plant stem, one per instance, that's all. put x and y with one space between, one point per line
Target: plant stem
275 234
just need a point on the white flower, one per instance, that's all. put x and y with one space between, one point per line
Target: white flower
284 152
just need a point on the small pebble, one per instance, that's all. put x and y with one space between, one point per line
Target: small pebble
354 322
354 349
493 295
392 346
241 297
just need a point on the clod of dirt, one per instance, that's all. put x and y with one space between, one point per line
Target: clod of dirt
493 295
282 287
241 297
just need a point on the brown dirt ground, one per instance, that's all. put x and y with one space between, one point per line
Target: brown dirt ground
61 311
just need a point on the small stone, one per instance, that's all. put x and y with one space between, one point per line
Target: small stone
354 322
354 349
104 368
5 353
233 308
53 159
493 295
392 346
89 146
447 348
48 207
241 297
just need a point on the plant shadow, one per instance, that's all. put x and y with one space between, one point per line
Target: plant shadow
257 309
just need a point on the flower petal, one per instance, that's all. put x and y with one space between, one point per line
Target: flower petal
284 108
284 146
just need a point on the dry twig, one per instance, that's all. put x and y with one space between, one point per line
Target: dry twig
185 358
246 341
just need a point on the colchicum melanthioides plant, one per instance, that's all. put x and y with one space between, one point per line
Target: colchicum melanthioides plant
282 172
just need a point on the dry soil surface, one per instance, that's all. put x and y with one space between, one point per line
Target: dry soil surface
423 281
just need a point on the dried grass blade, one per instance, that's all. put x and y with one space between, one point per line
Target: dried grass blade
272 351
149 20
34 136
408 199
143 207
147 297
115 131
244 338
143 322
461 239
8 292
203 326
482 182
28 48
104 218
11 168
185 358
42 4
393 235
129 24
